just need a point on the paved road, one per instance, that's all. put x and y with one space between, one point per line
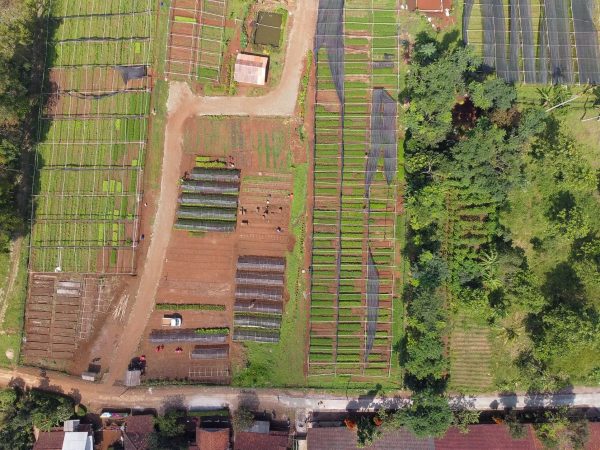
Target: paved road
98 396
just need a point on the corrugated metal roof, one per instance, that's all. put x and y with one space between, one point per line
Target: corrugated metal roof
251 69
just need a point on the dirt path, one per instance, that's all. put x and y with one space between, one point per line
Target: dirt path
159 241
15 256
282 100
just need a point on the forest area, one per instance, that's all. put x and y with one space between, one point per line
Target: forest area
504 228
22 41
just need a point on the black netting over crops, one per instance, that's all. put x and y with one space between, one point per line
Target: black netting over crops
586 41
184 335
494 36
204 225
256 336
330 34
192 212
209 353
527 37
372 303
256 321
466 18
558 28
512 73
205 187
217 175
215 200
261 263
262 307
132 72
542 72
259 278
383 136
259 293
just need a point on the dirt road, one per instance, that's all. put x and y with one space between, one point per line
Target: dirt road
98 396
161 232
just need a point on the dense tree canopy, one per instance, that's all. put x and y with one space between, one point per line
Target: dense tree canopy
21 64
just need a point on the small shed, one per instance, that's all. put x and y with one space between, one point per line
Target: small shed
268 29
251 69
133 378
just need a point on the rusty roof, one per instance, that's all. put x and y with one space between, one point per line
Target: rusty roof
212 439
261 441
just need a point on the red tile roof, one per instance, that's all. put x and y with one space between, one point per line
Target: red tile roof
593 442
341 438
137 430
49 440
261 441
212 439
488 437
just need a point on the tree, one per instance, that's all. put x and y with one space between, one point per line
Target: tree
516 429
170 432
367 431
558 430
242 419
170 424
492 93
429 414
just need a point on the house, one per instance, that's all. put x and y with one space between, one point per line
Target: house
251 69
483 436
137 431
73 436
274 440
211 439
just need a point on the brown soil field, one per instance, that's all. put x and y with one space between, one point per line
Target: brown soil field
200 267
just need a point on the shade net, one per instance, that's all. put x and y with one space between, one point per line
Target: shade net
372 303
184 335
330 35
132 72
209 353
512 73
558 29
257 321
218 175
204 225
527 41
259 278
261 263
586 41
256 336
216 200
262 307
209 187
494 36
259 293
467 10
383 136
191 212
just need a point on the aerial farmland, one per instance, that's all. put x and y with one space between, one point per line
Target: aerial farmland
341 195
